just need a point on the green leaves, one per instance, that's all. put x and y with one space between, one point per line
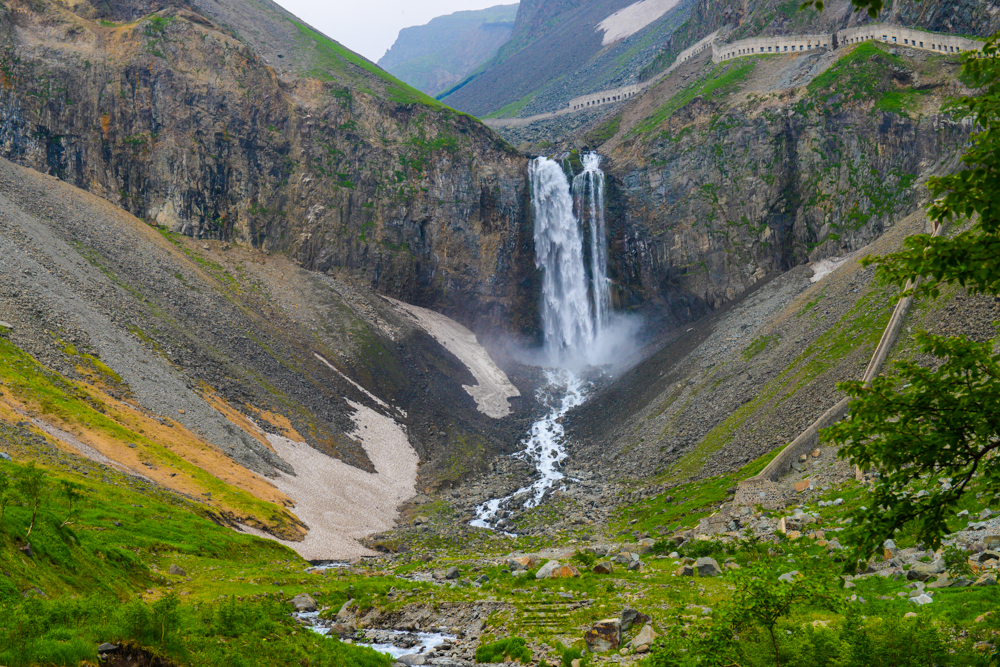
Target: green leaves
926 432
970 258
917 427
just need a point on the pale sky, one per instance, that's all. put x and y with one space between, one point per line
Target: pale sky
369 27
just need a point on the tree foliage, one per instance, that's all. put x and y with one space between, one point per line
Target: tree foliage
923 423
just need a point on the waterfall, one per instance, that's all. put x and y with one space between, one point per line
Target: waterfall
575 299
588 197
575 310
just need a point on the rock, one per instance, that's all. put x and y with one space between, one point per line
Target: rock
411 659
303 602
604 635
26 550
687 560
922 599
986 556
564 572
635 565
176 570
936 567
983 617
546 570
604 567
991 542
646 546
5 456
910 614
420 520
684 571
452 573
789 576
916 575
522 563
986 580
632 617
674 554
942 582
801 486
107 648
344 614
645 638
343 629
793 534
707 567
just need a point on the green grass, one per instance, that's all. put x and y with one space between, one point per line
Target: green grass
504 650
721 81
511 110
330 57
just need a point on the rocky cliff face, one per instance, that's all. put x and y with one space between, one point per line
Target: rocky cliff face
178 119
760 165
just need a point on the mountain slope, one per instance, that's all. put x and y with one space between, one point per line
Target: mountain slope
435 56
178 118
556 53
224 374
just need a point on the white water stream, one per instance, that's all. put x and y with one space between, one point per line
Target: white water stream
575 309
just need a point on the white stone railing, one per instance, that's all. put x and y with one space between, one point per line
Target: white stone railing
915 39
756 46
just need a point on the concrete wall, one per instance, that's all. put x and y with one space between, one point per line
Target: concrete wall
756 46
605 97
916 39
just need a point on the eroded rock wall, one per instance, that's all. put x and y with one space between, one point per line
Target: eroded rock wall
179 122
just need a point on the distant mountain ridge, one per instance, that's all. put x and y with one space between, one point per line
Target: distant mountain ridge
556 52
435 56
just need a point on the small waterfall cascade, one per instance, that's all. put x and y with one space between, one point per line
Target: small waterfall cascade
588 200
571 251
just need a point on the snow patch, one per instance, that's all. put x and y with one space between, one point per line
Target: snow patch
630 20
340 503
492 388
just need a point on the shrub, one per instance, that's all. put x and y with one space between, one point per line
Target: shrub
513 648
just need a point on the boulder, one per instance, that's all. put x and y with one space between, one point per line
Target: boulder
26 550
342 630
522 563
303 602
937 567
646 546
106 648
564 572
986 580
922 599
546 570
604 636
801 486
452 573
632 617
991 542
988 555
411 659
789 576
345 614
604 567
5 456
645 638
176 570
684 571
635 565
916 575
707 567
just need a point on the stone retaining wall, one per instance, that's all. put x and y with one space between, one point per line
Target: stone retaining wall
916 39
756 46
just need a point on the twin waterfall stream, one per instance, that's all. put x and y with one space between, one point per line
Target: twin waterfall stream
571 250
